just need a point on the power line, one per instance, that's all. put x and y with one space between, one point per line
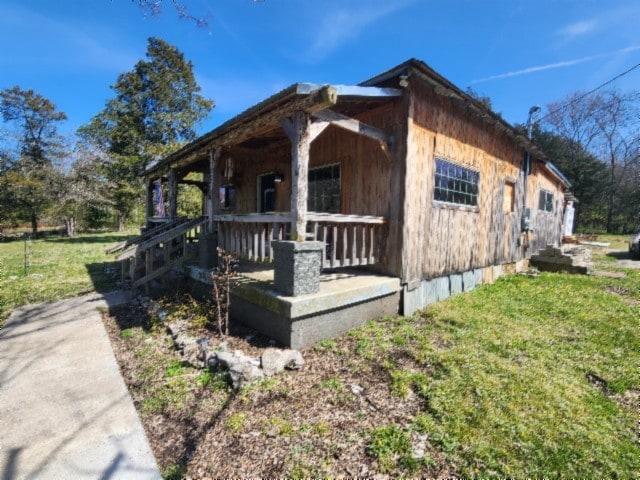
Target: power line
575 100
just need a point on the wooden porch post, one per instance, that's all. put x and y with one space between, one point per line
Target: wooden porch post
149 209
214 157
173 193
301 131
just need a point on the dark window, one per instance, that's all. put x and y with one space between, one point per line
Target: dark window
267 192
324 189
227 196
455 184
545 202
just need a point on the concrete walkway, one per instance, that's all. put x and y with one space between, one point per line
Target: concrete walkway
65 412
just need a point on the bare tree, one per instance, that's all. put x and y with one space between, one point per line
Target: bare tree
607 125
154 8
618 141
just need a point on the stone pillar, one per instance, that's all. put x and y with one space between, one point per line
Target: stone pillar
297 267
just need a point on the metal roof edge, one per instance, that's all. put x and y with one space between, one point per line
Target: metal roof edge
551 167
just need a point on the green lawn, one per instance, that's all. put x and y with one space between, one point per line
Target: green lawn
533 377
527 377
58 267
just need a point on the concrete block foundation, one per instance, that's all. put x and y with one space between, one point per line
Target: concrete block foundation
437 289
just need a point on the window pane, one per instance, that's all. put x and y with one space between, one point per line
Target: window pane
455 183
323 193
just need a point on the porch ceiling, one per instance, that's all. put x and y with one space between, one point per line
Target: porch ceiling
259 126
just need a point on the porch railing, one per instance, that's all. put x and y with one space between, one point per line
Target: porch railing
351 240
155 256
250 235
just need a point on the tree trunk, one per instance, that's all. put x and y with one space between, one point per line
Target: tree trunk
121 221
34 224
70 224
611 198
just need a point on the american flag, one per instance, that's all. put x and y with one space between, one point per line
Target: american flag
158 199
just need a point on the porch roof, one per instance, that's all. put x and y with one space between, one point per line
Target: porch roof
263 118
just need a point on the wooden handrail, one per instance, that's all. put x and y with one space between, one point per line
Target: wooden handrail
144 263
163 237
145 235
351 240
285 217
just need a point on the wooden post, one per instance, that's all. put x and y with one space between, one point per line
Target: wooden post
149 210
173 193
214 157
301 133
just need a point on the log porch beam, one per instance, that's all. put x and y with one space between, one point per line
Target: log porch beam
356 126
203 186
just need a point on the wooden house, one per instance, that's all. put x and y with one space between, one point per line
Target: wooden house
355 202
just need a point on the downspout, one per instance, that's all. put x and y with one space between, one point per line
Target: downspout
526 219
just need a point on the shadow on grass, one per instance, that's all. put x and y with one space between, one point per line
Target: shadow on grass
131 316
620 255
105 276
106 238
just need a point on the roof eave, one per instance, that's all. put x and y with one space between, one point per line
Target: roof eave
289 94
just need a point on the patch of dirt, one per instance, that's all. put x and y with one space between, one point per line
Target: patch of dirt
608 274
315 422
617 290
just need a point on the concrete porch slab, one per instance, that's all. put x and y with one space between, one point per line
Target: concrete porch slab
346 299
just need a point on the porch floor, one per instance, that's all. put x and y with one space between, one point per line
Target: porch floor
346 299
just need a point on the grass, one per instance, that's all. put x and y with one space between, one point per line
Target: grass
58 267
528 377
507 373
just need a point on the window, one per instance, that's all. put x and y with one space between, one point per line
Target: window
227 196
455 184
324 189
267 192
545 203
508 201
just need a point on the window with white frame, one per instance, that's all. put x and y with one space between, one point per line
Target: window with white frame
545 201
455 184
324 189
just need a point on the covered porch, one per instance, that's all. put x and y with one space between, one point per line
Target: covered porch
289 169
299 185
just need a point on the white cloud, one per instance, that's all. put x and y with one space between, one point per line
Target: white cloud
578 29
563 64
609 21
344 24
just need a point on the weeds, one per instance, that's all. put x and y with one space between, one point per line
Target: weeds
391 446
235 423
224 278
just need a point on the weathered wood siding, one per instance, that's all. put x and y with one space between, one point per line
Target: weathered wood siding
365 169
547 226
439 238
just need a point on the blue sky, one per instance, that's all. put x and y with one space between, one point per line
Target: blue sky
518 52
